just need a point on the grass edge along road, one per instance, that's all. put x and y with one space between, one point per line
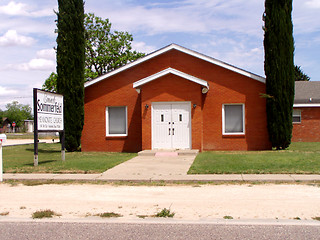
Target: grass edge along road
299 158
19 159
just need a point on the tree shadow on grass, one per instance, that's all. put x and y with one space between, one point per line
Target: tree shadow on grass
40 162
44 150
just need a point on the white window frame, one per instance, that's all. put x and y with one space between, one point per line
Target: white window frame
297 114
107 122
243 119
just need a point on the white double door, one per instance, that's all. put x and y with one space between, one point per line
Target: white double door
171 125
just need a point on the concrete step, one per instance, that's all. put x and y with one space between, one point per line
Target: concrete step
169 152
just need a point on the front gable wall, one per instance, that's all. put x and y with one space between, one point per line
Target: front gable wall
225 87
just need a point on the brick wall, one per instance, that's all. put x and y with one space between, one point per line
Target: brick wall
225 87
309 128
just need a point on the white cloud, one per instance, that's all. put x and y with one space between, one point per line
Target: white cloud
36 64
306 18
143 47
248 59
41 64
13 8
12 38
49 54
5 91
21 9
187 16
313 3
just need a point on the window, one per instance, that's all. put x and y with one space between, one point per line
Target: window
233 118
296 116
116 121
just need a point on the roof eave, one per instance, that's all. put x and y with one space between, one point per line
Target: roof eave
172 71
182 49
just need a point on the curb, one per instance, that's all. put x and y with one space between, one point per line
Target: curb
216 178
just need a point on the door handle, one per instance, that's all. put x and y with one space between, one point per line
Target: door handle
172 131
169 130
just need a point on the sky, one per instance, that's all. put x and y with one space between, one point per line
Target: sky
230 31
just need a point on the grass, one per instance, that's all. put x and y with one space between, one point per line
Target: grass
19 159
45 214
300 158
105 215
109 215
165 213
227 217
4 213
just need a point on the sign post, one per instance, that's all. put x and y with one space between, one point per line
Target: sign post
48 117
3 139
14 127
1 163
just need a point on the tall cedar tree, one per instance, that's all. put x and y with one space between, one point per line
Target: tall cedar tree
279 70
300 75
70 68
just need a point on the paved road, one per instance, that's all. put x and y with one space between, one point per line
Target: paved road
118 231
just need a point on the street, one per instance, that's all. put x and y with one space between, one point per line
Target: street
118 231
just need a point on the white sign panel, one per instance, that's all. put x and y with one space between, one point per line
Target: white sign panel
49 111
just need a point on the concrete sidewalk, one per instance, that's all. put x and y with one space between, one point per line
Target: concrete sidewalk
15 142
273 178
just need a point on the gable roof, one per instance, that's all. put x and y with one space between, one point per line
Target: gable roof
172 71
181 49
307 93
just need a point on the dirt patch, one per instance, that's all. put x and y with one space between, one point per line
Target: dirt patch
187 202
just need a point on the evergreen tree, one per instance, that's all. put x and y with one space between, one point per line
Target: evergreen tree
70 68
279 70
299 75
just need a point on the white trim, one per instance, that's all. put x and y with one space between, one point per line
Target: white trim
243 119
306 105
172 71
181 49
107 123
296 113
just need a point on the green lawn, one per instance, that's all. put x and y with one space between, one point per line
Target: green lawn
19 159
300 158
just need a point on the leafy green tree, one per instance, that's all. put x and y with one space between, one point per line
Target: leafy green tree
1 117
106 50
51 83
18 113
70 68
299 75
279 70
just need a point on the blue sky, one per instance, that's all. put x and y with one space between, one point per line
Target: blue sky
229 31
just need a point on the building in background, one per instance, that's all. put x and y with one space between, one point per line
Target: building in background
306 112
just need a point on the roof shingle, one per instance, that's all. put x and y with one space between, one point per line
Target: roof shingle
307 92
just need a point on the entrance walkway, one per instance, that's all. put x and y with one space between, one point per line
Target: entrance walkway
153 165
